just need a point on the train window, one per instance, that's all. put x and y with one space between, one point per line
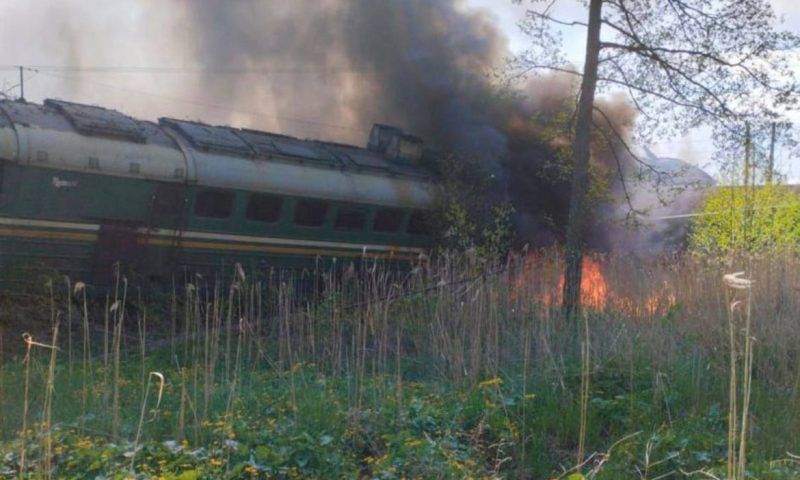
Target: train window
387 220
264 208
348 218
168 199
310 213
213 203
418 224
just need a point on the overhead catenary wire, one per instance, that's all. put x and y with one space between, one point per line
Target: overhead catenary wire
61 72
164 70
720 212
54 70
197 103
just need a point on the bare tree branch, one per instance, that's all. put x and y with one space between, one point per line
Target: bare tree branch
544 16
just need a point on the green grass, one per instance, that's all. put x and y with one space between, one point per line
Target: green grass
412 429
467 376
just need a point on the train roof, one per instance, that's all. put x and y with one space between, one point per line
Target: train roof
176 150
91 120
84 119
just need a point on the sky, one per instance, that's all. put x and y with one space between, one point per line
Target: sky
143 33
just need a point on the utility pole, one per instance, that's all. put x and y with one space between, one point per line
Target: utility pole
771 162
746 171
749 195
21 84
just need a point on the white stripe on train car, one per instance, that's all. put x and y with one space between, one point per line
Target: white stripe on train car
278 241
25 222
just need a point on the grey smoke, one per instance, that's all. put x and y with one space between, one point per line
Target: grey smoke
422 65
666 198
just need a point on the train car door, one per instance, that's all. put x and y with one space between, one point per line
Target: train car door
165 230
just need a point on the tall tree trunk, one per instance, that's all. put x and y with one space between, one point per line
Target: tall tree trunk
576 226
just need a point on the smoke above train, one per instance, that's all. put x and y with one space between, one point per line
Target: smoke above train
424 65
331 68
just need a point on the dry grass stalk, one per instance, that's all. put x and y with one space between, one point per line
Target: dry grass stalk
732 396
584 394
173 315
141 328
181 421
118 310
737 457
47 409
160 377
228 416
26 337
526 358
69 323
106 352
86 364
747 385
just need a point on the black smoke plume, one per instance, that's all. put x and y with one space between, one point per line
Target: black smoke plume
427 66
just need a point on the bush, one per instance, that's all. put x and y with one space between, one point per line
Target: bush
742 219
469 214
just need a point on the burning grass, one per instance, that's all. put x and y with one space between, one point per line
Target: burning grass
460 368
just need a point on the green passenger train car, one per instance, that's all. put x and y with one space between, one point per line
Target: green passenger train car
83 188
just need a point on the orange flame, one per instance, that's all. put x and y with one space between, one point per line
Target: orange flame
595 291
659 303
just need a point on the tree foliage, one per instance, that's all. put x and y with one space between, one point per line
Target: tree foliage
735 219
683 64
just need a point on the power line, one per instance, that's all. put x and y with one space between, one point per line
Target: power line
63 76
200 104
63 71
194 70
721 212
